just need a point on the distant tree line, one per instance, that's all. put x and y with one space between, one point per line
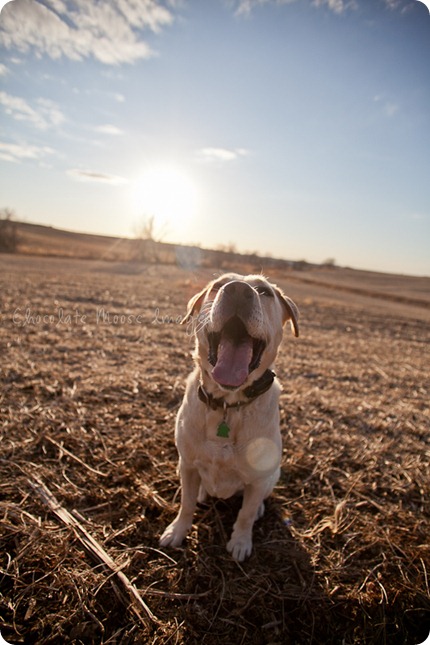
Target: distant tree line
148 247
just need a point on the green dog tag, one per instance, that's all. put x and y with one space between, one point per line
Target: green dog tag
223 430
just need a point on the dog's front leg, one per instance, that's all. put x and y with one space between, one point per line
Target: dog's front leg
177 530
240 544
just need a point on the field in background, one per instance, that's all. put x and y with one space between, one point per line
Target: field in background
335 283
93 367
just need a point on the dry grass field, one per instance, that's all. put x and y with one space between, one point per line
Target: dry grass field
93 363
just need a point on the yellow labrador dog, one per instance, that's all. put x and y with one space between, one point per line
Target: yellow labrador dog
227 429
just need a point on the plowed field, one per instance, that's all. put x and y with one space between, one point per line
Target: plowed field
93 363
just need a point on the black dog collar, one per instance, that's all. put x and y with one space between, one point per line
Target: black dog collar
258 387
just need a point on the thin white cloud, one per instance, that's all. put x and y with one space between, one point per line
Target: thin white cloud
145 14
17 152
392 4
418 216
50 112
223 154
245 7
109 32
389 108
57 5
98 177
43 115
19 109
337 6
109 129
4 71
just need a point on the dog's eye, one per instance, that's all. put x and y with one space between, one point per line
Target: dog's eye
264 290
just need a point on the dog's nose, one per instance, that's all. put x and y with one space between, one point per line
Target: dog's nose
238 298
238 291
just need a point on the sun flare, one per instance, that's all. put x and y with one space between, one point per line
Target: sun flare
166 193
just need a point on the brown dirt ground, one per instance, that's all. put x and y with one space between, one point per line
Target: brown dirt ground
93 363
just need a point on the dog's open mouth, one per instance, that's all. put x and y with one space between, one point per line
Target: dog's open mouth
233 353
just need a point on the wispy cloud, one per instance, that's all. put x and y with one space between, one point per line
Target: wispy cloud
109 129
389 108
223 154
99 177
418 216
109 32
245 7
18 152
392 4
3 70
50 112
337 6
43 115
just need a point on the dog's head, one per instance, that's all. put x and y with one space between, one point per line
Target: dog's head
238 322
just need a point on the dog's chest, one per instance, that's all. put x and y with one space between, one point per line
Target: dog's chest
220 468
251 450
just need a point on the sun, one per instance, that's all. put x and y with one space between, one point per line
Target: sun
167 194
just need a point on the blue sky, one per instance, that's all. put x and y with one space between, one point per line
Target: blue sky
297 128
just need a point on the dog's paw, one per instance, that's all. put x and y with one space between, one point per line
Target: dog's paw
240 547
174 534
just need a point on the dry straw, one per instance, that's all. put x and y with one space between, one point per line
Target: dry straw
88 471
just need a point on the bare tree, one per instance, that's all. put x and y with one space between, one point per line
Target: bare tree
144 230
148 239
147 229
8 231
330 263
227 248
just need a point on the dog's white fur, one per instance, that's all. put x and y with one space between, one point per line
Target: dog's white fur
248 460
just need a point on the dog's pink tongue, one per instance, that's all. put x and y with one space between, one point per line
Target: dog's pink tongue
231 369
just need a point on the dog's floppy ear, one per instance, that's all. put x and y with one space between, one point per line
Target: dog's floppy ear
194 304
290 310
